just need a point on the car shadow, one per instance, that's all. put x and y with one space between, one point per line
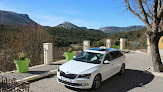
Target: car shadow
122 83
56 64
37 72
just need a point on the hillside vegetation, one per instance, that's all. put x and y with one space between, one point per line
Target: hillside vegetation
135 39
114 30
61 36
65 37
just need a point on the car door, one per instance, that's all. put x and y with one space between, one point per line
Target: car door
117 59
107 70
121 60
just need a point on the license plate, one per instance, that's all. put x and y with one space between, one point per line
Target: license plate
65 79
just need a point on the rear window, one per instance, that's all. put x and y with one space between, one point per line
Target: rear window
116 54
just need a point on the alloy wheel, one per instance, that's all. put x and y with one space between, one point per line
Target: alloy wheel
122 69
97 82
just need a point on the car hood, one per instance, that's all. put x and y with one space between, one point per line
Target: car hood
77 67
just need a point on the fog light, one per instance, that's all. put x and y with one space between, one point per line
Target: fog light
84 84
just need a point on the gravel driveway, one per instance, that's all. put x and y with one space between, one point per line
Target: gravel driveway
134 80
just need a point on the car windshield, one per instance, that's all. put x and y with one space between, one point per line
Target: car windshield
89 57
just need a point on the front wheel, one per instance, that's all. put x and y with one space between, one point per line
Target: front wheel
96 82
122 71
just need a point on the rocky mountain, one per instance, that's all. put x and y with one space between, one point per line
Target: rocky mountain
12 18
84 28
108 30
69 25
114 30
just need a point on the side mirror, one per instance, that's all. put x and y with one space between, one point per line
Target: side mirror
74 56
106 62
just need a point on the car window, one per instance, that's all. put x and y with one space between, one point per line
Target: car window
82 55
116 54
120 54
108 57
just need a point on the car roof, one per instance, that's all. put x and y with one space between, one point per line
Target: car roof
102 51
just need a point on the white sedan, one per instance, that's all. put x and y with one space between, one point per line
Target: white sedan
91 67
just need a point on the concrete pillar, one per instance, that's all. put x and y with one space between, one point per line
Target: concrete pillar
86 45
48 53
122 43
148 46
108 43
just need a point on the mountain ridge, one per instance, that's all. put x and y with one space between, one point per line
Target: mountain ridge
12 18
115 29
69 25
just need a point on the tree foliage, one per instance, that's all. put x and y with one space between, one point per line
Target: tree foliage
64 37
28 39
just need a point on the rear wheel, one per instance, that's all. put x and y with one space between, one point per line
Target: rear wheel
122 71
96 82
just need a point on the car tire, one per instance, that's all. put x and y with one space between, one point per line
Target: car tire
122 71
96 82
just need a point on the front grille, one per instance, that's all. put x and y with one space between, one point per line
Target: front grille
68 83
70 76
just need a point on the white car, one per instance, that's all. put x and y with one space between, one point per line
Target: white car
91 67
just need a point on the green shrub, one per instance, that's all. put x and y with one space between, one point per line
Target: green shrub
116 46
117 42
22 56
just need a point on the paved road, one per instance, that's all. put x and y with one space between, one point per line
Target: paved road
134 80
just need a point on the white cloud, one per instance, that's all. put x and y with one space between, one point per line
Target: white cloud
50 21
84 23
55 20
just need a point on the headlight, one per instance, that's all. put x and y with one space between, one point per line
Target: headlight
87 76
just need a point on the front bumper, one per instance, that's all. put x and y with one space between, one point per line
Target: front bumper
76 83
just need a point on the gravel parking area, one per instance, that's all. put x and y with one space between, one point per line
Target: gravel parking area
134 80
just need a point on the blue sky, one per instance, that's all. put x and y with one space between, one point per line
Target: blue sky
88 13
